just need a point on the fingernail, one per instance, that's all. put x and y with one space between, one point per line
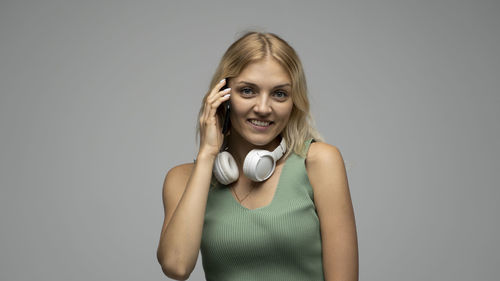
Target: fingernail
227 90
222 80
228 95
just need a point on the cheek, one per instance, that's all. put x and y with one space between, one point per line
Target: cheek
235 111
239 107
236 116
286 111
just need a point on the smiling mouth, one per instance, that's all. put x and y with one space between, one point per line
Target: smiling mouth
260 123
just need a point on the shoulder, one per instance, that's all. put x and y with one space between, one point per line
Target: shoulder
179 173
333 204
173 188
174 185
181 168
325 166
321 153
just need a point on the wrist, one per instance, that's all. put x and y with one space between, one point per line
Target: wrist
204 156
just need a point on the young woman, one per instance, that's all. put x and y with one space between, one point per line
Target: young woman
282 212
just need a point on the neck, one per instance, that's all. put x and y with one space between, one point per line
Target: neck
239 147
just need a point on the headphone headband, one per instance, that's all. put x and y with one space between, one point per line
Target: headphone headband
280 150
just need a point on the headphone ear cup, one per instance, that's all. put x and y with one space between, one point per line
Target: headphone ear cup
225 168
259 165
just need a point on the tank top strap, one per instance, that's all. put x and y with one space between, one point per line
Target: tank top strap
308 186
307 143
296 176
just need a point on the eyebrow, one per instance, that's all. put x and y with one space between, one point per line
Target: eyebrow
254 85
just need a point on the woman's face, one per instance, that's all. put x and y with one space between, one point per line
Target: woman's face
261 101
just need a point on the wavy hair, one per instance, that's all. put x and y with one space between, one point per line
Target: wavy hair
254 46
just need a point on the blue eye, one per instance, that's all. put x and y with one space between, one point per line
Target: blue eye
246 91
281 94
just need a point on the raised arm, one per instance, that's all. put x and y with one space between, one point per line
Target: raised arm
185 193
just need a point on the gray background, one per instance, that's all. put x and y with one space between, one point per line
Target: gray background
99 99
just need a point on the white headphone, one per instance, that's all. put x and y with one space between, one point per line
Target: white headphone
258 166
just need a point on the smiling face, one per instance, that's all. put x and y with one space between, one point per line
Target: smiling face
261 101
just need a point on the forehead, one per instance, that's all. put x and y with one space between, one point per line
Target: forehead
263 72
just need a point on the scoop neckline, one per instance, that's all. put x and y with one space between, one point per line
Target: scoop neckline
228 191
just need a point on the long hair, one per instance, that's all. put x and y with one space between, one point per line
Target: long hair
254 46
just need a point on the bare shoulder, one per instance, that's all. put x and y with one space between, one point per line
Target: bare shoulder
332 199
325 167
181 169
178 175
173 188
321 153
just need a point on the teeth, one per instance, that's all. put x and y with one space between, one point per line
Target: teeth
260 123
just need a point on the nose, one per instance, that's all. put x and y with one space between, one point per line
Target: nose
262 105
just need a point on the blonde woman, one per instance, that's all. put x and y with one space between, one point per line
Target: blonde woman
267 199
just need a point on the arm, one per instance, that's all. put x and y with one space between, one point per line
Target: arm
185 193
326 171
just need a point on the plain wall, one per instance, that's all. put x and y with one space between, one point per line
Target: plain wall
99 99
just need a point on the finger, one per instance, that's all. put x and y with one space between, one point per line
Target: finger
206 110
217 87
217 103
204 116
214 94
208 102
218 95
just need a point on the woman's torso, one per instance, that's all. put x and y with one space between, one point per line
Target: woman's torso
276 237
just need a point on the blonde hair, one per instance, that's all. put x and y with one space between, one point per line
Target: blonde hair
254 46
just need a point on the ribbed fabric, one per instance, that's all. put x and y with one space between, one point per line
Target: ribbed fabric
280 241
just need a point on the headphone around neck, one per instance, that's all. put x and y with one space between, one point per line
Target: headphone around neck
258 166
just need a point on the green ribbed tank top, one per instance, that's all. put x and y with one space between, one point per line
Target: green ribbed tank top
280 241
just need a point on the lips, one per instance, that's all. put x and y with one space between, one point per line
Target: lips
260 123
